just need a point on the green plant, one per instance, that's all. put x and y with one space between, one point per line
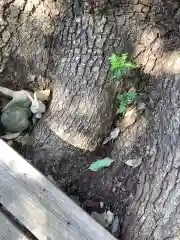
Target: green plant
120 65
124 99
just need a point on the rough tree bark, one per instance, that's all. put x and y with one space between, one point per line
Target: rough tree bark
69 44
67 51
154 212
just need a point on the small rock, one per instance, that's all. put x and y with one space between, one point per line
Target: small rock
115 227
15 118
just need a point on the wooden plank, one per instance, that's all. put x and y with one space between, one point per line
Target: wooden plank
8 231
45 210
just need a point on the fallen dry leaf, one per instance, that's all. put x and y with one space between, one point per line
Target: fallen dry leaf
129 118
134 162
43 95
113 135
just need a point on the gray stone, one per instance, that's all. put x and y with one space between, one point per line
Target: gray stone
15 118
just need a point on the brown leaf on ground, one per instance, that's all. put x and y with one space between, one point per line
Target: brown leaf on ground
129 118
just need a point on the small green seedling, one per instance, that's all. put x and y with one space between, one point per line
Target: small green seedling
120 65
124 99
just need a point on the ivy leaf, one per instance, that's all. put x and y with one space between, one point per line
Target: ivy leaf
99 164
114 61
121 63
131 96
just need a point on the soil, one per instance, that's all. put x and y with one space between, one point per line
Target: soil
114 186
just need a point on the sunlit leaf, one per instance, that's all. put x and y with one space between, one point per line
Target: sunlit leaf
99 164
43 95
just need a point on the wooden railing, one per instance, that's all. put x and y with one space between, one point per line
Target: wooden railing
40 206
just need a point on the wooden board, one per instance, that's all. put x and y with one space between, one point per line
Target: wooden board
45 210
8 231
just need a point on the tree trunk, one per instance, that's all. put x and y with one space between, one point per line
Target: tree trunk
154 211
69 51
67 46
